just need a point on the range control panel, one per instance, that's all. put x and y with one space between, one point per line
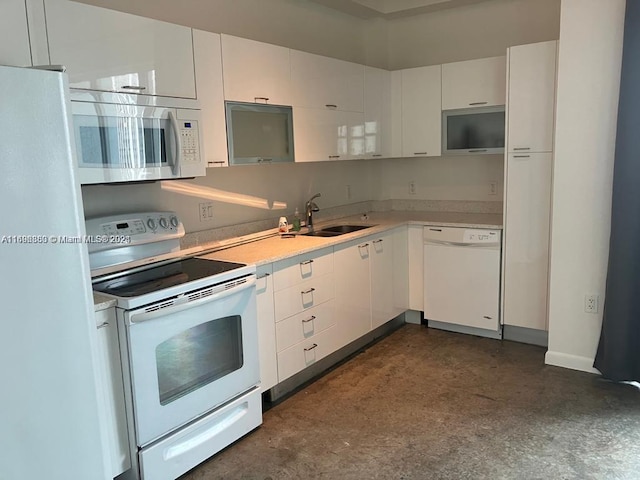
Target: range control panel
133 229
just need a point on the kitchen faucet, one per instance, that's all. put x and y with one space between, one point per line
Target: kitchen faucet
311 207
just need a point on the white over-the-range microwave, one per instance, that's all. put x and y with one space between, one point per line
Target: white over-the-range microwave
135 138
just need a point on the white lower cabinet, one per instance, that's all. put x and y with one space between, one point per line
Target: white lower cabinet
415 246
304 354
353 290
305 325
526 243
304 291
389 282
266 327
111 385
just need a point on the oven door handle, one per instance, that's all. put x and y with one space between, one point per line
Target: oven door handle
183 303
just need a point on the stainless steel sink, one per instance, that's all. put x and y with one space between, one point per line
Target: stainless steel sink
336 230
341 229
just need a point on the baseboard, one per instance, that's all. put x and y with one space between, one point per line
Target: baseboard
525 335
412 316
478 332
574 362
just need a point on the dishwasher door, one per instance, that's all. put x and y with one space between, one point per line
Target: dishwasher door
462 280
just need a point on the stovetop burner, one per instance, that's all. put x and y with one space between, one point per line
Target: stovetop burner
162 277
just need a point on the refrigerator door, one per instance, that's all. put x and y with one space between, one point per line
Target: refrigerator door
50 414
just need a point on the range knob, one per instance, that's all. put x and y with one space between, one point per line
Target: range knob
164 223
151 223
174 222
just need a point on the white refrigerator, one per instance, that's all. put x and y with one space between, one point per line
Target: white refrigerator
50 412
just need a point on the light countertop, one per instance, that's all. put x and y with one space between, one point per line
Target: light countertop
275 248
102 302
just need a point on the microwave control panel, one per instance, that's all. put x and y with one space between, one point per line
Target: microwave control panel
190 141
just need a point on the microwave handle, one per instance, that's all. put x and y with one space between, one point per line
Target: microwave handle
175 168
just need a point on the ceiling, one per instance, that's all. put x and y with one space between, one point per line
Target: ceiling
390 9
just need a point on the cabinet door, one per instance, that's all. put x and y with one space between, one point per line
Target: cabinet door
353 291
388 285
256 71
113 51
526 247
208 70
421 112
323 82
416 267
112 391
323 134
14 34
532 83
474 83
266 328
377 113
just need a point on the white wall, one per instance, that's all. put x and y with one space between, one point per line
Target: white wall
298 24
590 56
481 30
440 178
292 184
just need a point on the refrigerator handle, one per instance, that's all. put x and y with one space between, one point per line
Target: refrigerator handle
175 169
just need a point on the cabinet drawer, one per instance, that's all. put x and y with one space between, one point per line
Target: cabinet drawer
303 296
301 355
304 267
304 325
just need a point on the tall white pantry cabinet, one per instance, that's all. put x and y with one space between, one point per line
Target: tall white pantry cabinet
528 171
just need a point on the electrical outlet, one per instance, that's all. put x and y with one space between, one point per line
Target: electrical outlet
493 188
591 303
412 187
348 192
206 211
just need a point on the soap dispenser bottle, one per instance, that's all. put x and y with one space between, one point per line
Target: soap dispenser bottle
296 221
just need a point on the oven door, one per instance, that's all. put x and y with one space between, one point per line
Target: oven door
192 356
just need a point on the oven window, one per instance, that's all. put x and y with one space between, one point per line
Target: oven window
198 356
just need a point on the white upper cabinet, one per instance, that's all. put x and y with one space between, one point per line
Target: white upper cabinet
421 112
255 71
377 113
112 51
531 97
474 83
323 82
323 134
208 69
14 34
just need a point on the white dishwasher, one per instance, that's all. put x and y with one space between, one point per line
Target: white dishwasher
462 280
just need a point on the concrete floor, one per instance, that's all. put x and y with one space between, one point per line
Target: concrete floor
428 404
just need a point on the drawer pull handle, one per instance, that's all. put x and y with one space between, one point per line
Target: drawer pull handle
380 240
435 229
522 156
487 317
219 162
331 105
311 347
420 153
478 103
105 324
265 275
307 262
132 87
311 290
334 156
376 155
266 99
521 148
310 319
363 245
